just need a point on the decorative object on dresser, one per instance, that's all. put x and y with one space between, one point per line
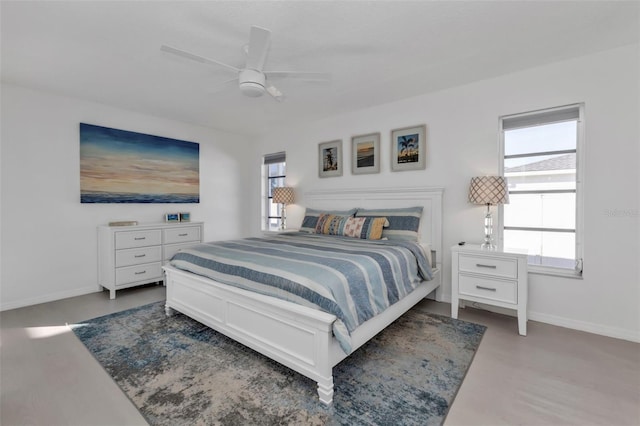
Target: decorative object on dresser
330 159
496 277
123 223
365 154
185 217
489 191
408 148
283 195
132 256
172 217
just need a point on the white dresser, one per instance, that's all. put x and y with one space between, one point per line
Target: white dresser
492 277
129 256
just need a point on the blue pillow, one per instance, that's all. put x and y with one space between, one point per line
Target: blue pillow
404 223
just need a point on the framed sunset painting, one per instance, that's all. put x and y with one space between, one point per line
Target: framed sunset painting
119 166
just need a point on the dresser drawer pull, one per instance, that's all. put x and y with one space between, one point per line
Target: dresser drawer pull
182 235
139 238
479 287
480 265
140 273
140 255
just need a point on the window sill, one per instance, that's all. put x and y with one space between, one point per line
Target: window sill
556 272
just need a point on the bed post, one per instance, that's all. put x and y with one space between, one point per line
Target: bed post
325 390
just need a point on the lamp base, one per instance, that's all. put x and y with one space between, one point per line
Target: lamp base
488 231
283 220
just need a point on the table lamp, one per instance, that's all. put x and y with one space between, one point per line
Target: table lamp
489 191
283 195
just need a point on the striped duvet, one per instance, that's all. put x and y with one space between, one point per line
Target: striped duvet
350 278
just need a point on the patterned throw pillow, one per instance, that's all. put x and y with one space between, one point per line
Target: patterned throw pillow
404 223
355 227
310 221
369 228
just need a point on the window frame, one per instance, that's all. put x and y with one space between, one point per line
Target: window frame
267 160
578 270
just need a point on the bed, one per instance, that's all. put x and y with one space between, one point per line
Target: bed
301 337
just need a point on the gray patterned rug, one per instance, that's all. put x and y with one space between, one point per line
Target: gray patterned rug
180 372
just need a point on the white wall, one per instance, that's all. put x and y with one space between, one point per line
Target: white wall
462 141
49 245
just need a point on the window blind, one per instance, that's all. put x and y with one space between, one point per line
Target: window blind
543 117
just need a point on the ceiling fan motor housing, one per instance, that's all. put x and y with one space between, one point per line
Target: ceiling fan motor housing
252 83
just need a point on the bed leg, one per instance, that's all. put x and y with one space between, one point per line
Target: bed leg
325 391
168 311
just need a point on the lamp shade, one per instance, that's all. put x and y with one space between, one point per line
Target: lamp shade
491 190
283 195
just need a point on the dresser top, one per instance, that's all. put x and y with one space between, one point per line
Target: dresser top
152 225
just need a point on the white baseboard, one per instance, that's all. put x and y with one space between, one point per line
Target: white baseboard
589 327
49 297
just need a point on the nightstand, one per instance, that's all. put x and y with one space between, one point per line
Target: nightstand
493 277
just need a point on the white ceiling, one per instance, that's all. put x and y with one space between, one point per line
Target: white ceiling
377 52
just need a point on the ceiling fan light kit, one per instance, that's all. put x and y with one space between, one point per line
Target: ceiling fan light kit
252 83
252 79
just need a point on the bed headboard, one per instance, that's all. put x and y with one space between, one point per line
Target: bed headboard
430 198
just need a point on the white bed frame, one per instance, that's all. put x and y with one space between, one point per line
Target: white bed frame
293 335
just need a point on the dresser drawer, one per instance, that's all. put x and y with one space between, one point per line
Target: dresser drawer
141 238
130 274
502 291
136 256
496 267
182 234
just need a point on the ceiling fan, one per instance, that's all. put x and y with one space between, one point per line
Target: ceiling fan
253 79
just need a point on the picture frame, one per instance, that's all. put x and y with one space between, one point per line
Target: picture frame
408 148
330 159
365 154
185 217
172 217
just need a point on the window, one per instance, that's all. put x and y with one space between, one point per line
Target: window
542 165
273 175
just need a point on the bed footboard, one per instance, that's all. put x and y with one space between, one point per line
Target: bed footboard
295 336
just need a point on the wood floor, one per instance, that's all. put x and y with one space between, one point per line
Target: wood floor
554 376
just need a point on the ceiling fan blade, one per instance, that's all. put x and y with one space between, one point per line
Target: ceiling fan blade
275 93
194 57
259 42
309 76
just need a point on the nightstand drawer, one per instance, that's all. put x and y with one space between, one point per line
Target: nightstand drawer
502 291
131 239
137 256
493 266
132 274
182 234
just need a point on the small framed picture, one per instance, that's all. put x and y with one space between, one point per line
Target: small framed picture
172 217
185 217
365 154
408 148
330 159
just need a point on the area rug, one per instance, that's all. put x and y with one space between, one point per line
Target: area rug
180 372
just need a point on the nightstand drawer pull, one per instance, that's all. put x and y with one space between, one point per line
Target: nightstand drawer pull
480 265
140 273
140 238
479 287
182 235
